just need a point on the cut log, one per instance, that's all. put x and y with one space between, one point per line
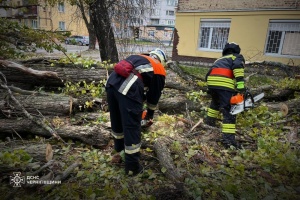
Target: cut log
178 104
285 107
36 151
96 136
166 161
51 104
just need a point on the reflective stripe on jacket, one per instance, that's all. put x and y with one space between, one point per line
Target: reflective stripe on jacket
156 65
226 71
153 77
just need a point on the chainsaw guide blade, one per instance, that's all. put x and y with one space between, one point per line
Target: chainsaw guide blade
246 104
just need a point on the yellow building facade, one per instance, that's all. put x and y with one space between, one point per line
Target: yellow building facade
263 35
58 17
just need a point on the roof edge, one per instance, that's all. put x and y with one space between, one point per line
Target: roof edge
239 10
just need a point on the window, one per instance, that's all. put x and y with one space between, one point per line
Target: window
172 2
154 21
283 38
62 26
61 7
213 34
34 24
155 12
170 12
151 33
170 22
156 2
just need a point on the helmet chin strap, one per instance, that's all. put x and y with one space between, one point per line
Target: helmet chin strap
155 57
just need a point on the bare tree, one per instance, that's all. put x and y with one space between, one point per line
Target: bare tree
99 13
84 10
114 21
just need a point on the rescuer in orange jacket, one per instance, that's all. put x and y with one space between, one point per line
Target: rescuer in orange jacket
125 96
223 79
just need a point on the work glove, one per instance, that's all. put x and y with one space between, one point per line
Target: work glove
240 86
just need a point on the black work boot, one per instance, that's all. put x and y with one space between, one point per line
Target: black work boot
210 121
229 140
134 170
132 164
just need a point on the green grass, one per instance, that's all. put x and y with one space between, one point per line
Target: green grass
198 71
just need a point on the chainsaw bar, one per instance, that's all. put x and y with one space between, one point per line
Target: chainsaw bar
246 104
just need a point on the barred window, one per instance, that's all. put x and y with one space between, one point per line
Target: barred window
213 34
283 38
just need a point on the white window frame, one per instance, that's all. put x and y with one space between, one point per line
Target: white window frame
61 7
62 25
285 27
212 24
170 12
171 2
34 24
170 22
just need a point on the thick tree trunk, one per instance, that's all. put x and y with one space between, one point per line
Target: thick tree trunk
96 136
178 104
104 32
285 107
46 104
36 151
29 76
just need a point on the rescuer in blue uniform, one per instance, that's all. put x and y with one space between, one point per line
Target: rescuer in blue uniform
223 79
125 96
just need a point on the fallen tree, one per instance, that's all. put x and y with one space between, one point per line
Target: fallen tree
31 76
37 103
96 136
39 152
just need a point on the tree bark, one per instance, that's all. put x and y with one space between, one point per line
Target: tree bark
36 151
166 161
50 104
29 76
102 24
96 136
285 107
178 104
90 27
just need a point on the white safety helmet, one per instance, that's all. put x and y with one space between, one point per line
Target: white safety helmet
159 55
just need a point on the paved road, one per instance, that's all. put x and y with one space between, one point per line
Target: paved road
70 49
130 49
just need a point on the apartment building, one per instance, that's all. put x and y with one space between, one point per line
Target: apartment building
160 20
155 21
58 17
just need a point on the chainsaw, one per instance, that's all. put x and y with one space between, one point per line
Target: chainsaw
240 102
